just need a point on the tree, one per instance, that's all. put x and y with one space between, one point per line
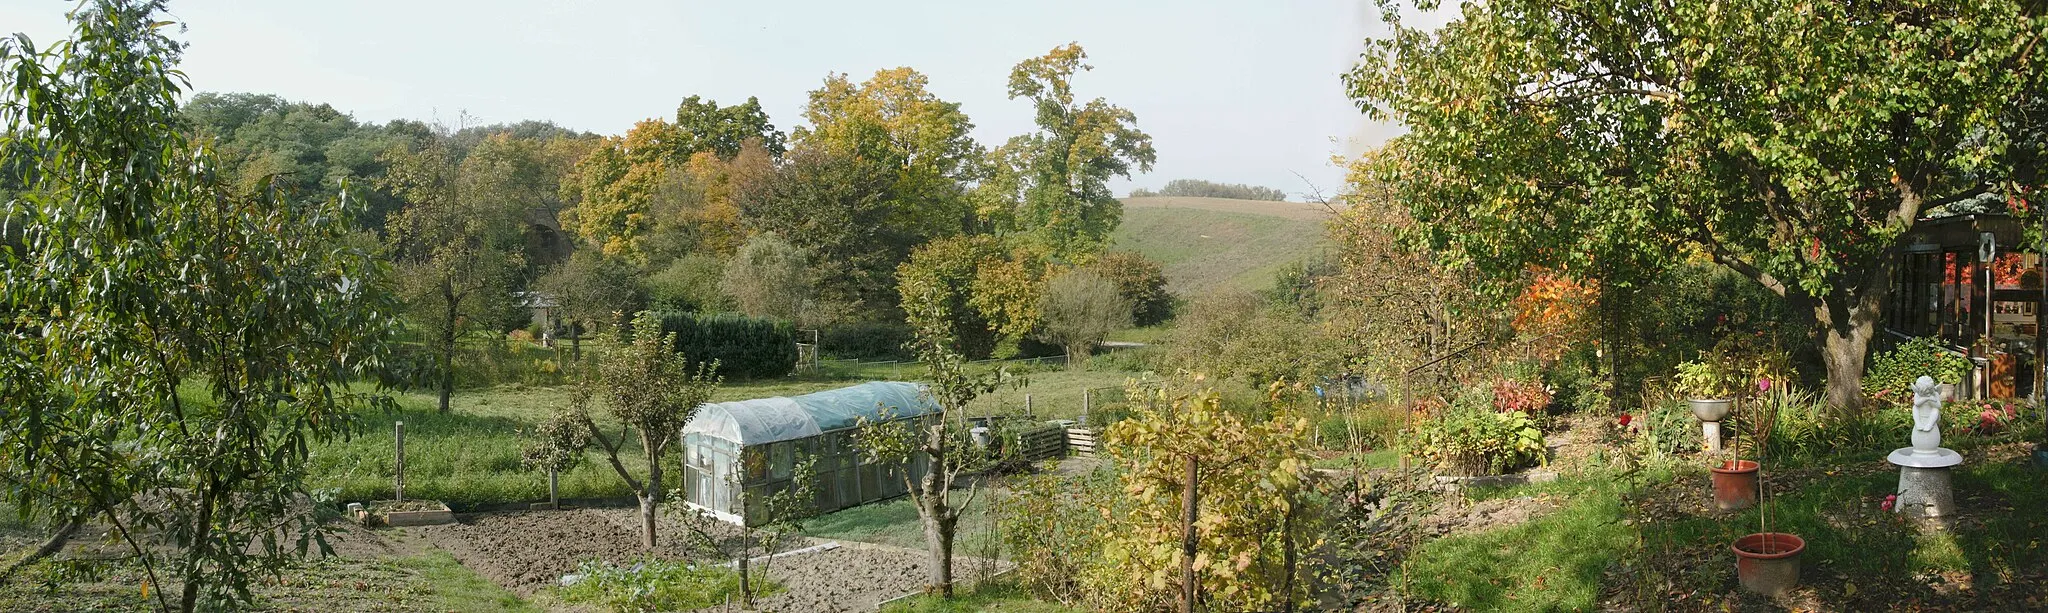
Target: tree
618 185
991 291
774 517
456 244
1140 281
1791 142
1081 308
771 278
836 208
1209 189
1218 508
925 142
172 346
592 288
651 391
1065 167
943 442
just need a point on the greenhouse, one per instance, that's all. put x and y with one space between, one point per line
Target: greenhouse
752 447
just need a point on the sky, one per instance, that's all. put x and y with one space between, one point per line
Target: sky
1236 92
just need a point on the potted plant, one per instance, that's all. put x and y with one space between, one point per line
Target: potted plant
1707 388
1735 479
1766 562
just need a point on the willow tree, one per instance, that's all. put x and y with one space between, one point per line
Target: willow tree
1791 142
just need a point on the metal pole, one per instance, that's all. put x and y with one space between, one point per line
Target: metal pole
398 472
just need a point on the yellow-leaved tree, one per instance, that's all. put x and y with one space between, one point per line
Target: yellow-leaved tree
1216 515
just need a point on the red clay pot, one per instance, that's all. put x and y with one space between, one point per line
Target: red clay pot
1735 485
1768 562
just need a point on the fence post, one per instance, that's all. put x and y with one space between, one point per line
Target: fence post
1086 395
398 474
1027 407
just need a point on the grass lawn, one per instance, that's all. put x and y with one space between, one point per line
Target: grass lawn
1646 538
895 523
991 597
1209 251
470 455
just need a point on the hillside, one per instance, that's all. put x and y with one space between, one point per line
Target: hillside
1210 245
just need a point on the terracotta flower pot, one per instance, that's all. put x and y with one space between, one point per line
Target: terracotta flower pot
1735 485
1768 562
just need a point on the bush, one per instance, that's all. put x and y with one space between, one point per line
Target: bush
1471 439
1377 424
1142 283
690 283
1210 189
1524 396
1891 374
866 340
745 347
655 585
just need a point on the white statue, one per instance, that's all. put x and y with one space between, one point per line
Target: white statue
1926 417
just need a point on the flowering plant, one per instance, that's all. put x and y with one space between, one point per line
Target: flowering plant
1529 397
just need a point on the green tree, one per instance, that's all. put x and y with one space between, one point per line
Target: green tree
992 292
650 391
942 443
1210 189
1080 309
1064 168
617 186
835 207
591 289
1791 142
723 130
771 278
456 244
1141 281
172 346
893 120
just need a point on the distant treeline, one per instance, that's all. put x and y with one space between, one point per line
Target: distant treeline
1209 189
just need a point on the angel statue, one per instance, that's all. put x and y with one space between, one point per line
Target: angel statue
1926 416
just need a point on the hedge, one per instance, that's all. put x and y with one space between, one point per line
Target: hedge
745 347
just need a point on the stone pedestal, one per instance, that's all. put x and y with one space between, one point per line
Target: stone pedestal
1712 431
1924 490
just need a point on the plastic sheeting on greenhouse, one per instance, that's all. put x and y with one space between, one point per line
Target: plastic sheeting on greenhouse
768 420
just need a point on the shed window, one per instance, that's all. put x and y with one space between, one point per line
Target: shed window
780 460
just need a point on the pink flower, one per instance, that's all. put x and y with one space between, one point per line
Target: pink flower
1888 502
1763 385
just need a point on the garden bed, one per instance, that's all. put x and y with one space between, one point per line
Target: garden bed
403 513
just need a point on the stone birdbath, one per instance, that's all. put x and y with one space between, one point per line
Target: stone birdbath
1924 489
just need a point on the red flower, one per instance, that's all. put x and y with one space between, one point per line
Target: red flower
1624 419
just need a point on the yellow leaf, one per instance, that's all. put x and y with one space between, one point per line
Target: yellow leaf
1848 589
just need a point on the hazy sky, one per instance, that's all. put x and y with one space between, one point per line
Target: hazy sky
1239 92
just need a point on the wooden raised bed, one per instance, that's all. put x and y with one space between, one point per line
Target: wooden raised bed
402 513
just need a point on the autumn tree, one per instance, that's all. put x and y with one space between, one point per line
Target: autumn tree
992 291
1079 310
650 392
1793 143
617 185
1062 171
833 206
457 243
172 345
925 143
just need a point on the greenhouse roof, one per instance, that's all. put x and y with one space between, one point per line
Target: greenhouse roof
767 420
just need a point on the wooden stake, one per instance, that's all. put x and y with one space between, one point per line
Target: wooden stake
398 475
1187 542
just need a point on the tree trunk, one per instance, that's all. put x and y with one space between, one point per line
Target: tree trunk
448 355
49 548
746 551
1188 510
202 533
651 497
1847 325
938 540
576 340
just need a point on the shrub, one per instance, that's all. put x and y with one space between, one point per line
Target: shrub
1142 283
1079 309
1891 374
690 283
1518 395
1469 439
745 347
866 340
654 585
1665 429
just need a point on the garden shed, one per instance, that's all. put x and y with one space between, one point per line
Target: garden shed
751 447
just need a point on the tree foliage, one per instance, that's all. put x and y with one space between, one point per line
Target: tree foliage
991 292
834 207
1141 281
1791 142
771 278
894 121
1080 309
617 186
1062 171
173 345
651 391
1209 189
